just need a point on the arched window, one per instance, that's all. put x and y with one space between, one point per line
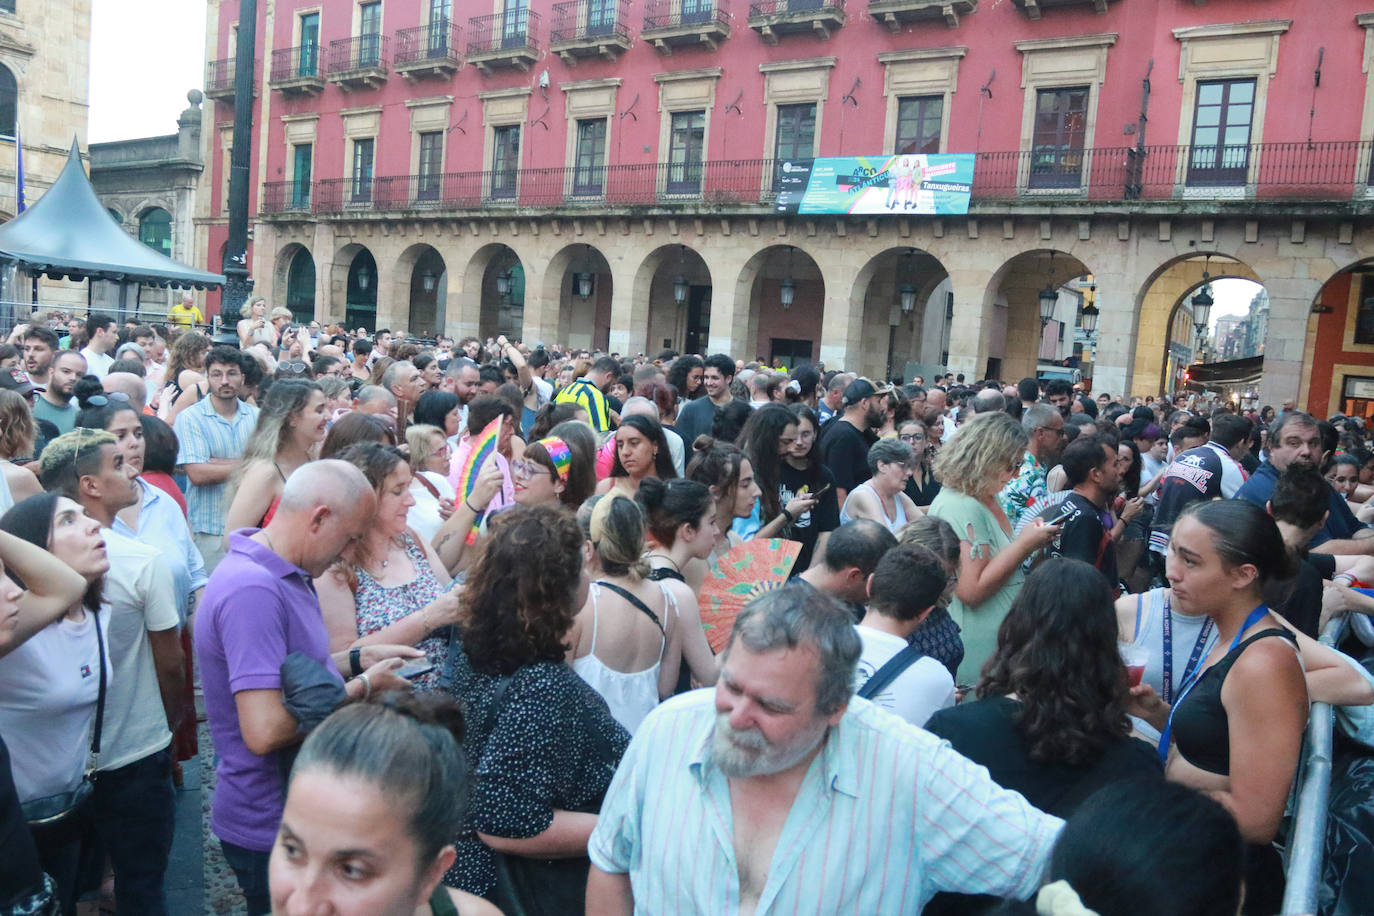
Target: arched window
9 99
155 230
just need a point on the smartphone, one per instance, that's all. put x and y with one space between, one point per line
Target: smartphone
821 492
1065 512
413 669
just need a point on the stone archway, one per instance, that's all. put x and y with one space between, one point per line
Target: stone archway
1164 333
294 282
675 283
421 281
1020 343
785 290
353 282
493 293
578 283
894 293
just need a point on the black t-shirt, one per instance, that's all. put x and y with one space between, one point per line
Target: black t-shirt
1083 537
824 517
844 451
985 732
1299 599
20 873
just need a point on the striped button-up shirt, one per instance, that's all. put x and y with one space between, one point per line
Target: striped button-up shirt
886 816
202 435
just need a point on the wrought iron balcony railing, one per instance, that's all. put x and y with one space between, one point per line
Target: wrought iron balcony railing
589 21
1328 171
672 14
301 63
361 52
427 46
515 30
219 77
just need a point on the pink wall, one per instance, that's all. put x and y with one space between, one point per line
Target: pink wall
1142 26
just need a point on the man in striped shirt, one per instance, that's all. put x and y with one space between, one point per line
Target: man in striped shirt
212 434
779 793
586 392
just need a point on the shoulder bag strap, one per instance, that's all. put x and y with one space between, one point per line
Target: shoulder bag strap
100 695
498 702
635 601
889 672
433 490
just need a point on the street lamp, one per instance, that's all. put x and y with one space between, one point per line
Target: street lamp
1202 302
680 289
1087 319
584 285
364 277
907 296
427 281
1049 299
503 284
786 292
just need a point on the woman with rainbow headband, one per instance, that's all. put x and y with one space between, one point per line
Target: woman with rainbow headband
551 473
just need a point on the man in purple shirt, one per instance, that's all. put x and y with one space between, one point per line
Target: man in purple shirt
259 607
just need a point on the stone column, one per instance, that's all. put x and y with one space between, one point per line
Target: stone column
1290 304
322 250
731 299
629 318
1115 340
842 316
971 327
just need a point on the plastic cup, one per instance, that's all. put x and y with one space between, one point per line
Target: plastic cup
1134 658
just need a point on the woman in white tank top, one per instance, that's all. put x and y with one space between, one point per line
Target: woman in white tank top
626 640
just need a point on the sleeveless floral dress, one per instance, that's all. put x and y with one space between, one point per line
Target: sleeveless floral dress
380 606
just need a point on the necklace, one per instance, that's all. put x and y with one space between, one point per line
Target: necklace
664 556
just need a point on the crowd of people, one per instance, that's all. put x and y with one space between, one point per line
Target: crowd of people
1037 651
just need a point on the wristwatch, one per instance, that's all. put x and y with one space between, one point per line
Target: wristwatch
355 661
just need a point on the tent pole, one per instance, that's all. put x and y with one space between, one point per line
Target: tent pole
238 285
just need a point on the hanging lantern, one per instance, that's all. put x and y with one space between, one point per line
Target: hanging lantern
364 277
680 289
583 284
787 292
1087 319
503 283
427 281
907 296
1049 300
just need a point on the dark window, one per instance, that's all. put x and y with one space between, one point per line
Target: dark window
505 161
155 230
300 176
600 17
363 157
310 45
1061 126
9 100
7 6
369 34
1220 153
697 11
686 150
431 165
589 164
515 24
1364 317
918 125
796 136
440 27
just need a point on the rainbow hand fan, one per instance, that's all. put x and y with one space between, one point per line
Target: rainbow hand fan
743 573
483 447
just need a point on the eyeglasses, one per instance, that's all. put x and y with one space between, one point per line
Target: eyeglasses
102 400
524 470
1057 430
913 437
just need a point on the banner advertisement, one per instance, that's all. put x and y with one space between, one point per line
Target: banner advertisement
935 185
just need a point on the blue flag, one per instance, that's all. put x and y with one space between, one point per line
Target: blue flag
18 172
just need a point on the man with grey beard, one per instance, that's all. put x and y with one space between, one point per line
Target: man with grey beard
778 765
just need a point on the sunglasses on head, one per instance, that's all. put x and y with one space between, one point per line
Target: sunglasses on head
111 397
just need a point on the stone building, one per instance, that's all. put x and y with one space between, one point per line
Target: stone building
44 80
607 173
148 185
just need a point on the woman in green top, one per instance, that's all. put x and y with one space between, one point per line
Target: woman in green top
973 467
375 798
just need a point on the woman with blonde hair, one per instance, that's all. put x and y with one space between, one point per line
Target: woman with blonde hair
17 434
627 639
430 456
185 376
291 425
973 467
254 326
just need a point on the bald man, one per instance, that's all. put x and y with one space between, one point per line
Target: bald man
259 608
128 384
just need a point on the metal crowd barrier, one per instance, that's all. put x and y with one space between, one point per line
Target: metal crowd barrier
1306 845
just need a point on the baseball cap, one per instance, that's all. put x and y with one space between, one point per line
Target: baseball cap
862 388
16 380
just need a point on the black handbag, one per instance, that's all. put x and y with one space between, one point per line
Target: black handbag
542 887
64 812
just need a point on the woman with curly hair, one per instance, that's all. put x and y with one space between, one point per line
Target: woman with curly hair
973 467
184 375
17 435
768 438
543 741
685 375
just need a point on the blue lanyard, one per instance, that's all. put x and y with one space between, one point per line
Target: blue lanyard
1193 659
1190 680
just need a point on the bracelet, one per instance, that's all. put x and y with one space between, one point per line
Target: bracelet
367 686
471 507
355 661
791 519
1349 579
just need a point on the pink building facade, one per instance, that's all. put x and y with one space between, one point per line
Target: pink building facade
604 172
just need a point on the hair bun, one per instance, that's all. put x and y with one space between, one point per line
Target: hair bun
651 492
435 709
703 443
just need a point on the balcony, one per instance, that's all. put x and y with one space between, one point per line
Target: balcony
1033 8
219 80
589 28
358 63
775 18
430 51
286 197
672 24
505 40
296 71
896 13
1171 179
